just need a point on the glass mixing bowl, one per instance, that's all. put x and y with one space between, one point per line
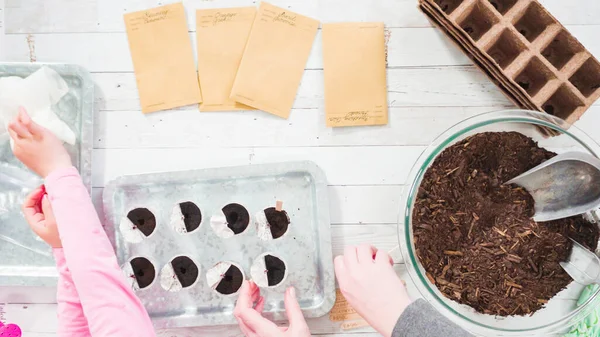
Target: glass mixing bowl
561 312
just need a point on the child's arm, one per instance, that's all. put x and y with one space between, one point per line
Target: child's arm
111 307
71 321
39 215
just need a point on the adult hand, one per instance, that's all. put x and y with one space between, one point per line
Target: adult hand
39 215
36 147
248 312
370 284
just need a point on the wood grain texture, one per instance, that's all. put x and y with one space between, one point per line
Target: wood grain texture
432 86
93 54
87 16
461 86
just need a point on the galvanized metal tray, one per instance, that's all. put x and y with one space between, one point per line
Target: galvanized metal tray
306 246
26 260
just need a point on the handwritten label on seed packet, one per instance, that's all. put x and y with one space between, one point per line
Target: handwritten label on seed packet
163 58
355 74
273 62
343 312
222 35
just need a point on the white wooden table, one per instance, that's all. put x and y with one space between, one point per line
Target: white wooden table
432 85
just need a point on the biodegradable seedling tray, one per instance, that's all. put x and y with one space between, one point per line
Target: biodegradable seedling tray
536 62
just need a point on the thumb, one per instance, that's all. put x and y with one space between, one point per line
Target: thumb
254 320
47 210
292 309
46 207
34 128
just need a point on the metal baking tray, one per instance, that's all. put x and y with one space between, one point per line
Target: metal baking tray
27 260
306 247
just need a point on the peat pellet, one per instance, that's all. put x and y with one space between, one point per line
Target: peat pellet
268 270
225 278
137 225
271 223
185 270
278 221
237 217
232 220
186 217
182 272
143 271
143 219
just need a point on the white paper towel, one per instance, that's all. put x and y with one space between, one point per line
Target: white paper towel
37 94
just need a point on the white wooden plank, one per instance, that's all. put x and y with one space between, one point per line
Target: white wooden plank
365 204
306 127
382 236
368 165
46 16
406 48
407 87
92 53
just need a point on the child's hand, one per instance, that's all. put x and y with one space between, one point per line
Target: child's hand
36 147
39 215
370 284
253 324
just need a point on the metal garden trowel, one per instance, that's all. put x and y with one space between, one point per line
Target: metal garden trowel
564 186
582 265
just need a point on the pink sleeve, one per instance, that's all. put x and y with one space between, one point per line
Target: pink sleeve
109 304
71 321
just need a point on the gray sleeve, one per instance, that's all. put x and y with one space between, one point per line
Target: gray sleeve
421 319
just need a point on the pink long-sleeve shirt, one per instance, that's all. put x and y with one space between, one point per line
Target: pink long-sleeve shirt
93 295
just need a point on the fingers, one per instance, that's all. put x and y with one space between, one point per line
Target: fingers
340 269
383 257
366 253
31 207
254 321
248 294
47 210
13 134
292 308
246 330
350 257
26 120
34 197
19 129
23 117
32 201
260 305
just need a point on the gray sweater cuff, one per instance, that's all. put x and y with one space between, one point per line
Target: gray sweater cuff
421 319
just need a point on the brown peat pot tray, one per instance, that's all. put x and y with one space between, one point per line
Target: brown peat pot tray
524 50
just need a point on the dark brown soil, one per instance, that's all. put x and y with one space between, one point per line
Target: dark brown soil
143 219
192 217
278 221
185 270
231 282
275 270
475 237
143 271
237 217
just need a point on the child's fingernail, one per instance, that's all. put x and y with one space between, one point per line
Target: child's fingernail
293 292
